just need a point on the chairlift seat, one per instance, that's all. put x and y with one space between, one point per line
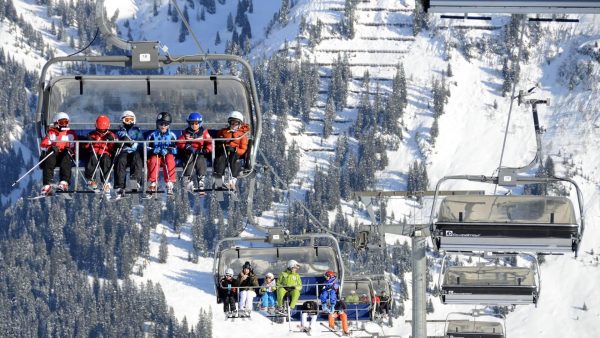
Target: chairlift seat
543 224
490 285
474 329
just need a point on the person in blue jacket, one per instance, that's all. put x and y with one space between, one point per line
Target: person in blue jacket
161 152
129 154
328 295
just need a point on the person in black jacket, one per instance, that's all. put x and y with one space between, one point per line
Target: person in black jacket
247 281
228 292
309 308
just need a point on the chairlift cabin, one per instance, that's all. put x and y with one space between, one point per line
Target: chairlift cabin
365 308
215 96
316 254
490 283
494 327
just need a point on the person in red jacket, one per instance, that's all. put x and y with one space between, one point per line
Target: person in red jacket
194 151
100 153
230 150
58 149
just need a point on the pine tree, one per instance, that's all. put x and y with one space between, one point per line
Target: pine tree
449 71
163 249
284 12
155 8
434 130
217 39
328 118
230 22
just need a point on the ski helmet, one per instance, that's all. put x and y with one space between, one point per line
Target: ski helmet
195 117
163 117
293 264
102 122
128 113
60 116
330 274
269 275
229 272
236 115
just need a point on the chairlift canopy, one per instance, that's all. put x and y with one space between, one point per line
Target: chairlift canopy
474 329
513 6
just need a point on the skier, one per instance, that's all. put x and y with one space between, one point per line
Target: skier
267 292
352 298
58 149
129 154
100 153
161 152
339 312
309 308
194 152
328 295
247 281
289 283
229 151
228 292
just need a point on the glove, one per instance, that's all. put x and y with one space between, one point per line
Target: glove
110 137
229 149
228 286
156 151
122 134
128 150
263 290
190 149
55 149
164 152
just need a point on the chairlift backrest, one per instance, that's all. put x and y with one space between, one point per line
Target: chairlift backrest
468 328
489 275
507 209
314 261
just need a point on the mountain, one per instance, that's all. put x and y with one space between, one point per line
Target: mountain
453 120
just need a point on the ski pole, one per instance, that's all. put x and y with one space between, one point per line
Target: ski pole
186 165
77 168
98 162
228 165
30 170
115 160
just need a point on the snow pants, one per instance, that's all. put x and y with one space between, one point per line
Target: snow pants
92 167
246 298
194 161
229 303
268 299
154 164
221 162
304 320
293 293
134 162
328 294
343 318
61 160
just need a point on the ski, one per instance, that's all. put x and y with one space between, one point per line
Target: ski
303 329
337 332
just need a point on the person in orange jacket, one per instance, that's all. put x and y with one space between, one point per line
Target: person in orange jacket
100 153
229 151
58 149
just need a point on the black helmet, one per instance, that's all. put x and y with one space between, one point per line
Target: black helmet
247 266
163 117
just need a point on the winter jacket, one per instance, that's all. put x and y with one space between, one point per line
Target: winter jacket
352 299
132 133
268 286
60 139
331 284
288 278
240 145
203 145
227 287
250 280
101 148
163 143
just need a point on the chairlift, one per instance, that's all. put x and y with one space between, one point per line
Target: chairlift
494 327
86 95
507 223
317 253
512 6
366 307
490 284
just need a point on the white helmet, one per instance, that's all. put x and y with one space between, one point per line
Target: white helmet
236 115
269 275
60 116
128 113
229 272
292 264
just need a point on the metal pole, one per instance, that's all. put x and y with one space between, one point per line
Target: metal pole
419 271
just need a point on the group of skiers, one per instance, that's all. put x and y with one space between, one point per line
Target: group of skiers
274 292
194 147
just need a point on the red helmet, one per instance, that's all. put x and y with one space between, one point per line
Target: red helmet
330 274
102 122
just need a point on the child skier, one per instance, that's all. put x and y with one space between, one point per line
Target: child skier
267 292
129 154
228 292
328 295
100 153
194 151
58 149
229 152
161 153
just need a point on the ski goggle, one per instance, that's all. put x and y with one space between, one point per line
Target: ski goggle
163 124
128 120
63 122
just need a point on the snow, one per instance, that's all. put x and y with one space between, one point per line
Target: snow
471 135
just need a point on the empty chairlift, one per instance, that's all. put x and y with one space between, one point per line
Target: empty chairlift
507 223
491 282
493 327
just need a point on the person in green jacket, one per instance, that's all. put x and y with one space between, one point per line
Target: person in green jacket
289 281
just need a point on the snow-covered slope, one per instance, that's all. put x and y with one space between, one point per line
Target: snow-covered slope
469 142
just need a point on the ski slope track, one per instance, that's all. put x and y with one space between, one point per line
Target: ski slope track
470 137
